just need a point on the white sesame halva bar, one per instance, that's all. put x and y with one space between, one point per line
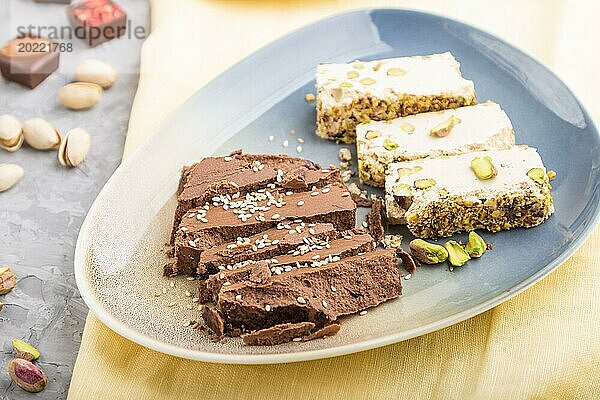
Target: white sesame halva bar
440 196
358 92
440 133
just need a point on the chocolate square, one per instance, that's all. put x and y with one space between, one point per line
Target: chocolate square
97 21
29 60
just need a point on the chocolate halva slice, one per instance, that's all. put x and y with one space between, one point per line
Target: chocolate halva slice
243 173
317 294
312 252
228 217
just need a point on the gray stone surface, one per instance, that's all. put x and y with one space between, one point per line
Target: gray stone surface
40 217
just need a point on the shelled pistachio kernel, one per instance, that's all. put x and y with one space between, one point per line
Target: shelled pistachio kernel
476 246
443 128
357 65
551 175
457 255
372 134
483 168
396 72
25 351
309 97
425 183
428 253
27 375
367 81
408 128
352 74
538 175
345 85
389 144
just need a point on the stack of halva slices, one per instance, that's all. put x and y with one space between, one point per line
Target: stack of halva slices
447 163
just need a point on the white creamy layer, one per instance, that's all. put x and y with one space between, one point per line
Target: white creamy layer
454 174
432 75
481 127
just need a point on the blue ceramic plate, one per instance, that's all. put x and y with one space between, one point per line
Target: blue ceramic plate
119 259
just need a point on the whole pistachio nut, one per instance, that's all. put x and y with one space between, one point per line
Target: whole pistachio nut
8 280
538 175
10 174
457 255
11 133
476 246
80 95
40 135
483 168
74 147
428 253
96 71
25 351
27 375
443 128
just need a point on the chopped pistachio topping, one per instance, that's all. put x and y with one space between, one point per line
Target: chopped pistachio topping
408 171
425 183
396 72
457 255
372 134
367 81
483 168
408 128
538 175
476 246
443 128
389 144
402 189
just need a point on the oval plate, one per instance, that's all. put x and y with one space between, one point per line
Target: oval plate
120 249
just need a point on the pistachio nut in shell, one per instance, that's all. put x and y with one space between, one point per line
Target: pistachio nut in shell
80 95
428 253
8 280
457 255
27 375
40 135
74 148
10 174
483 168
11 133
25 351
475 246
96 71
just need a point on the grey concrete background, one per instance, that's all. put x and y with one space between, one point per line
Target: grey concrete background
40 217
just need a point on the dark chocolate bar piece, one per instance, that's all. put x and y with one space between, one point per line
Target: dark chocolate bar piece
97 21
29 60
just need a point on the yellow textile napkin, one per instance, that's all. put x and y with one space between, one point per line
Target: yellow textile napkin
542 344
